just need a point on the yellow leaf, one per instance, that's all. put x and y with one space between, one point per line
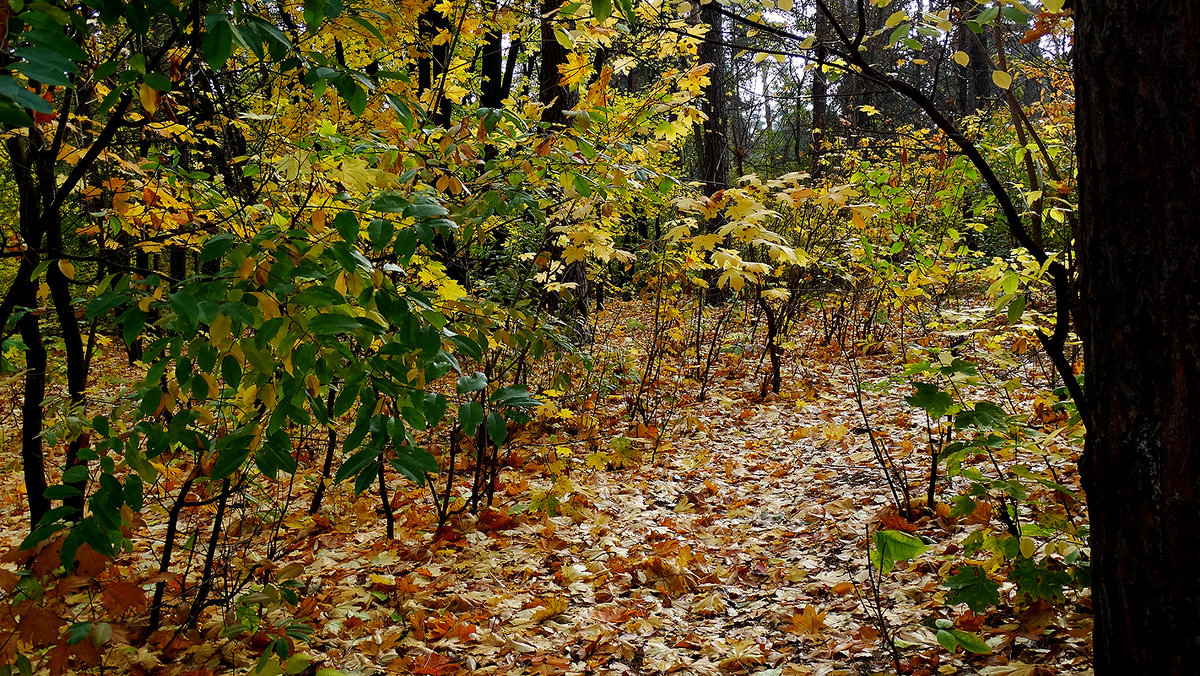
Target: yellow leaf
706 242
784 5
218 331
962 58
149 97
807 622
1003 80
550 608
1053 5
1028 547
897 18
67 268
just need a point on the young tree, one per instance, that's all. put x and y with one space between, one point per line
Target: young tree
1139 283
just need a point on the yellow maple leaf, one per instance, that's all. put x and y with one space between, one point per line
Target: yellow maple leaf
551 607
577 68
807 622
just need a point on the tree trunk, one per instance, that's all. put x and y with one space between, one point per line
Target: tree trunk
714 144
1138 74
551 93
975 78
431 67
820 99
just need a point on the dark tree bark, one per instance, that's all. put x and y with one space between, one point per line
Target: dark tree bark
820 98
975 79
492 90
551 92
714 143
1138 78
431 67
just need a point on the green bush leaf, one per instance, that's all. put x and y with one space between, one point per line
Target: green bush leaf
931 399
954 638
471 383
892 546
470 415
497 427
972 586
602 9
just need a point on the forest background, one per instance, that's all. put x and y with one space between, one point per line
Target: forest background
275 271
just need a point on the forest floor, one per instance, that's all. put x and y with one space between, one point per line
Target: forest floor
737 544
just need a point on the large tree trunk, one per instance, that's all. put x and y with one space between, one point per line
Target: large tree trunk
1138 74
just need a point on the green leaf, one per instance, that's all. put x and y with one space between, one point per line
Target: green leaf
78 632
187 309
515 396
497 428
333 323
1016 308
425 210
380 231
158 82
415 463
14 116
972 586
403 113
45 66
357 100
320 296
218 41
470 415
627 9
892 546
471 383
75 474
985 416
931 399
231 458
21 96
468 347
314 13
390 203
602 9
954 638
62 492
1037 582
353 465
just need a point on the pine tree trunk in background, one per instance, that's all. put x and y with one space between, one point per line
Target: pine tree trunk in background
1137 78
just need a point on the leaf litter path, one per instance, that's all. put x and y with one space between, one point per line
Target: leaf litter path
741 549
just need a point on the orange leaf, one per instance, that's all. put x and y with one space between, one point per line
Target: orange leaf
39 627
433 664
122 596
